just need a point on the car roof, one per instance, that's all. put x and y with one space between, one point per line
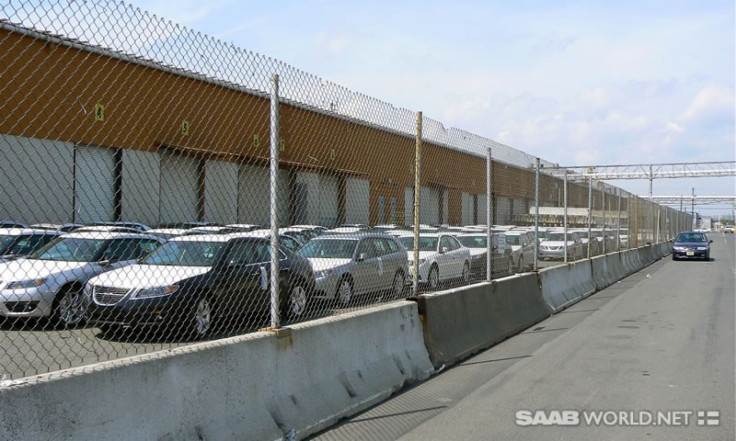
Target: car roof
355 236
27 231
108 235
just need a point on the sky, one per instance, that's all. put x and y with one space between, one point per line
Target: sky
574 82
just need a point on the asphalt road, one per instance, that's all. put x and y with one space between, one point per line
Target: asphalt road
659 345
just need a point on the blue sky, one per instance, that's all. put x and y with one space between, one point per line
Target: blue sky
573 82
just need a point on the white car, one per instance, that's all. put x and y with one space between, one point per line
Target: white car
522 244
441 257
49 283
20 242
553 247
346 265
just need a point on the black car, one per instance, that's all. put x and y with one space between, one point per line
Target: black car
691 245
188 281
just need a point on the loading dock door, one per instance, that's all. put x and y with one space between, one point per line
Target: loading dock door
94 187
179 188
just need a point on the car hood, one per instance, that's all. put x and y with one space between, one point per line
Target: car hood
422 255
557 243
29 269
690 244
147 276
321 264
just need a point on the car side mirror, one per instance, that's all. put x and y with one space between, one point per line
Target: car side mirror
444 250
361 257
710 241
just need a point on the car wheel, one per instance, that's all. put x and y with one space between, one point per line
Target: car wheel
110 330
296 304
399 283
434 277
70 308
201 318
466 273
674 257
345 291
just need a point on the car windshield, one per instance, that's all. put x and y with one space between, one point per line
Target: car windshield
27 244
425 243
72 249
5 243
691 237
474 241
558 237
185 253
512 240
329 248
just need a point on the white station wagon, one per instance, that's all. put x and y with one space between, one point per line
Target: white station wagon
49 282
441 257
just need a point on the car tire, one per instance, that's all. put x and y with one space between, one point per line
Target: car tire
675 258
397 289
466 273
297 303
201 318
345 291
69 308
110 330
433 279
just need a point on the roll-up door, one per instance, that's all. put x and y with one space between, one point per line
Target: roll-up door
357 194
94 187
467 209
408 205
179 187
254 195
429 209
221 192
329 194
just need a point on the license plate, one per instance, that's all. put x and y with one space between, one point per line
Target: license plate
690 253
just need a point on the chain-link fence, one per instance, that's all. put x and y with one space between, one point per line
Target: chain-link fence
148 171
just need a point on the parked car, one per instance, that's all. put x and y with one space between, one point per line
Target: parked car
595 247
441 258
168 233
190 280
477 243
64 228
522 243
553 247
133 225
347 265
20 242
286 240
691 245
49 282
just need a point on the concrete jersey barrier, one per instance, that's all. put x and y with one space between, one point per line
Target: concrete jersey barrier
463 321
564 285
252 387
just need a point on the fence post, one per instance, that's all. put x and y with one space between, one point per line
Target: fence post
489 225
417 193
536 214
275 319
590 215
564 217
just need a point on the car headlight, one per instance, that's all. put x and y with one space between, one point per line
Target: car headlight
478 257
25 284
323 273
158 291
678 248
702 248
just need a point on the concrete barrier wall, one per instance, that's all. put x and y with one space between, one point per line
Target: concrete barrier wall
607 270
462 321
251 387
564 285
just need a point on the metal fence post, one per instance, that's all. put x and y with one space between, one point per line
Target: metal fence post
564 217
489 225
590 214
536 215
417 194
603 207
618 224
275 319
